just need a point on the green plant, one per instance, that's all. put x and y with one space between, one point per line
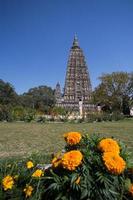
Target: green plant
5 113
103 116
95 180
80 171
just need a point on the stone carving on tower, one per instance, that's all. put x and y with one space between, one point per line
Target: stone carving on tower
77 82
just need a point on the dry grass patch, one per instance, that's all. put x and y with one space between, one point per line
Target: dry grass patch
19 139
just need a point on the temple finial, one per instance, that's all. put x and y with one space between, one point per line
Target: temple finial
75 42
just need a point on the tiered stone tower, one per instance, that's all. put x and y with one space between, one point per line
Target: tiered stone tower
77 83
58 95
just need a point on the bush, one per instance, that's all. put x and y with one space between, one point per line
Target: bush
41 119
116 116
29 115
103 116
87 179
20 113
88 167
5 113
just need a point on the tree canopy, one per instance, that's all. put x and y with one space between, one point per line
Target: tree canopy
115 92
40 98
8 96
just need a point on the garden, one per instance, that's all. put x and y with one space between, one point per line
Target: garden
93 161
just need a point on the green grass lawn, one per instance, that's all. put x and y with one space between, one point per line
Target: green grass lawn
21 139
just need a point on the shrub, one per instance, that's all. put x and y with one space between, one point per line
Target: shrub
41 119
91 178
103 116
20 113
86 169
5 113
29 115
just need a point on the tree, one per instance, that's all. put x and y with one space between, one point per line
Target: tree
40 98
8 96
115 91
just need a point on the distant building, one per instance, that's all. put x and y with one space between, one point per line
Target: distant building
77 87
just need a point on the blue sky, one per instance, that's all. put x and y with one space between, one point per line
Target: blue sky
36 36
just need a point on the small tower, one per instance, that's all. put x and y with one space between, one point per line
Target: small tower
58 95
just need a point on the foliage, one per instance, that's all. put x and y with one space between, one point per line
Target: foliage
8 96
40 98
78 172
103 116
20 113
5 113
59 111
22 107
29 115
41 119
115 91
90 180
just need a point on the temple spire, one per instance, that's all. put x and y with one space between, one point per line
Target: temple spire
58 93
75 42
77 82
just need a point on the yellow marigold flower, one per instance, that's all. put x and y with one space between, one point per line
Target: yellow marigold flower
72 138
38 173
56 162
8 182
114 163
77 180
29 164
109 145
131 189
72 159
28 190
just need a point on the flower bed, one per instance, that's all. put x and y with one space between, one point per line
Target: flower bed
88 168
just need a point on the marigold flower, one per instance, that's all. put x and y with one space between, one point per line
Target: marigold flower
78 180
131 189
109 145
8 182
28 190
56 162
38 173
114 163
72 138
29 164
72 159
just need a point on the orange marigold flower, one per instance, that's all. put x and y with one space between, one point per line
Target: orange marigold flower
114 163
8 182
56 162
131 189
29 164
28 190
38 173
109 145
78 180
72 138
72 159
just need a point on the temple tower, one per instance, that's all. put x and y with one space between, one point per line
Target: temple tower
58 95
77 83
